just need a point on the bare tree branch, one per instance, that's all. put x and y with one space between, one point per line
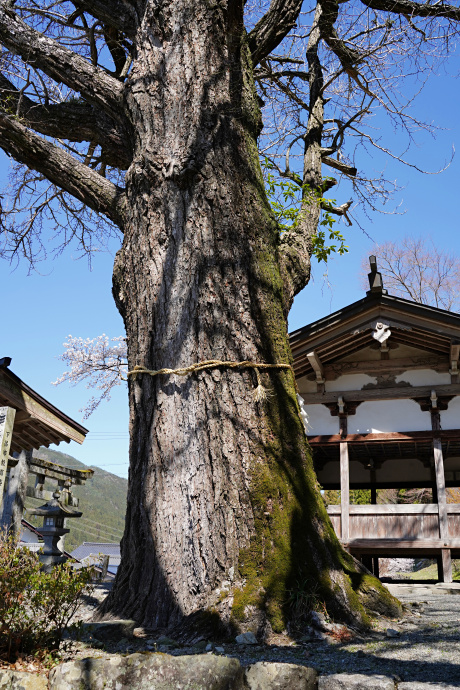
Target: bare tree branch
348 57
341 210
74 121
414 9
119 14
296 243
113 40
60 63
61 168
273 27
342 167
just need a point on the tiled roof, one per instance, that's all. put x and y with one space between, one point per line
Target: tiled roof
29 533
94 548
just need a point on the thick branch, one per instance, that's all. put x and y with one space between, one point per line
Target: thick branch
295 250
341 210
273 27
414 9
60 64
346 55
119 14
113 40
296 243
61 169
339 165
72 121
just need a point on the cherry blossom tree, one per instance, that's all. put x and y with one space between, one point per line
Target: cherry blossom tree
100 363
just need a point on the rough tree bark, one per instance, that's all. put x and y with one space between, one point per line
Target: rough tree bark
221 487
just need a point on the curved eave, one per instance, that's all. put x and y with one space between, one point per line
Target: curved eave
368 303
37 422
347 329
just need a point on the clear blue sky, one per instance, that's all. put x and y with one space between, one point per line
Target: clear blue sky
40 310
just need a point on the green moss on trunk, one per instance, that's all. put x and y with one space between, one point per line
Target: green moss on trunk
294 545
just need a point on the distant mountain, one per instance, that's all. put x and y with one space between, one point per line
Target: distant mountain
102 501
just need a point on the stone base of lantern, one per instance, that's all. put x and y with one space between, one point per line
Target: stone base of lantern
51 555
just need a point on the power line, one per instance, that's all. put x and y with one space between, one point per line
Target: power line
110 464
107 438
83 530
96 522
106 528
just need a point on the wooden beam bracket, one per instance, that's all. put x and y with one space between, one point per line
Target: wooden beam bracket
453 361
318 369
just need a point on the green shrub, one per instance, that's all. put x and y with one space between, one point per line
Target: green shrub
35 607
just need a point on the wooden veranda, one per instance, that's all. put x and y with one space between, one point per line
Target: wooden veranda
393 530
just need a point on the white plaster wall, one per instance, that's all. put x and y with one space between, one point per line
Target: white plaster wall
388 415
349 382
358 473
424 377
320 421
450 418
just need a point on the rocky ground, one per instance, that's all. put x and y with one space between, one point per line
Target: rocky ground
423 647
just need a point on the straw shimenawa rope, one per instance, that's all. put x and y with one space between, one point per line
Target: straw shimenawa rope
260 392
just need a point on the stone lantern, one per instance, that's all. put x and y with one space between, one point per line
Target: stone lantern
54 514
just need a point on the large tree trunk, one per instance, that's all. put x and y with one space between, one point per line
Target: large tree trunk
221 487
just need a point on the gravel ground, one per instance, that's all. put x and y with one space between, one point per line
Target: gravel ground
426 650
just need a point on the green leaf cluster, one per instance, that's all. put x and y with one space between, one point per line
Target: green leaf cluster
35 606
285 198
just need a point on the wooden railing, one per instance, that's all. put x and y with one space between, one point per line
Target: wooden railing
396 521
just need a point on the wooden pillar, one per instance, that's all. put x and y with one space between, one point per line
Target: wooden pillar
442 509
13 506
434 490
376 569
368 562
344 492
373 488
446 560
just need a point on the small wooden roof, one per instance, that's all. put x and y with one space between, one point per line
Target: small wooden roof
37 422
349 341
350 329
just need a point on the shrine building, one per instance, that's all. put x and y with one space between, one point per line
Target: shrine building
379 383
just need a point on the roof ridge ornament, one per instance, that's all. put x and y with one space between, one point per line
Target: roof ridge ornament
375 279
